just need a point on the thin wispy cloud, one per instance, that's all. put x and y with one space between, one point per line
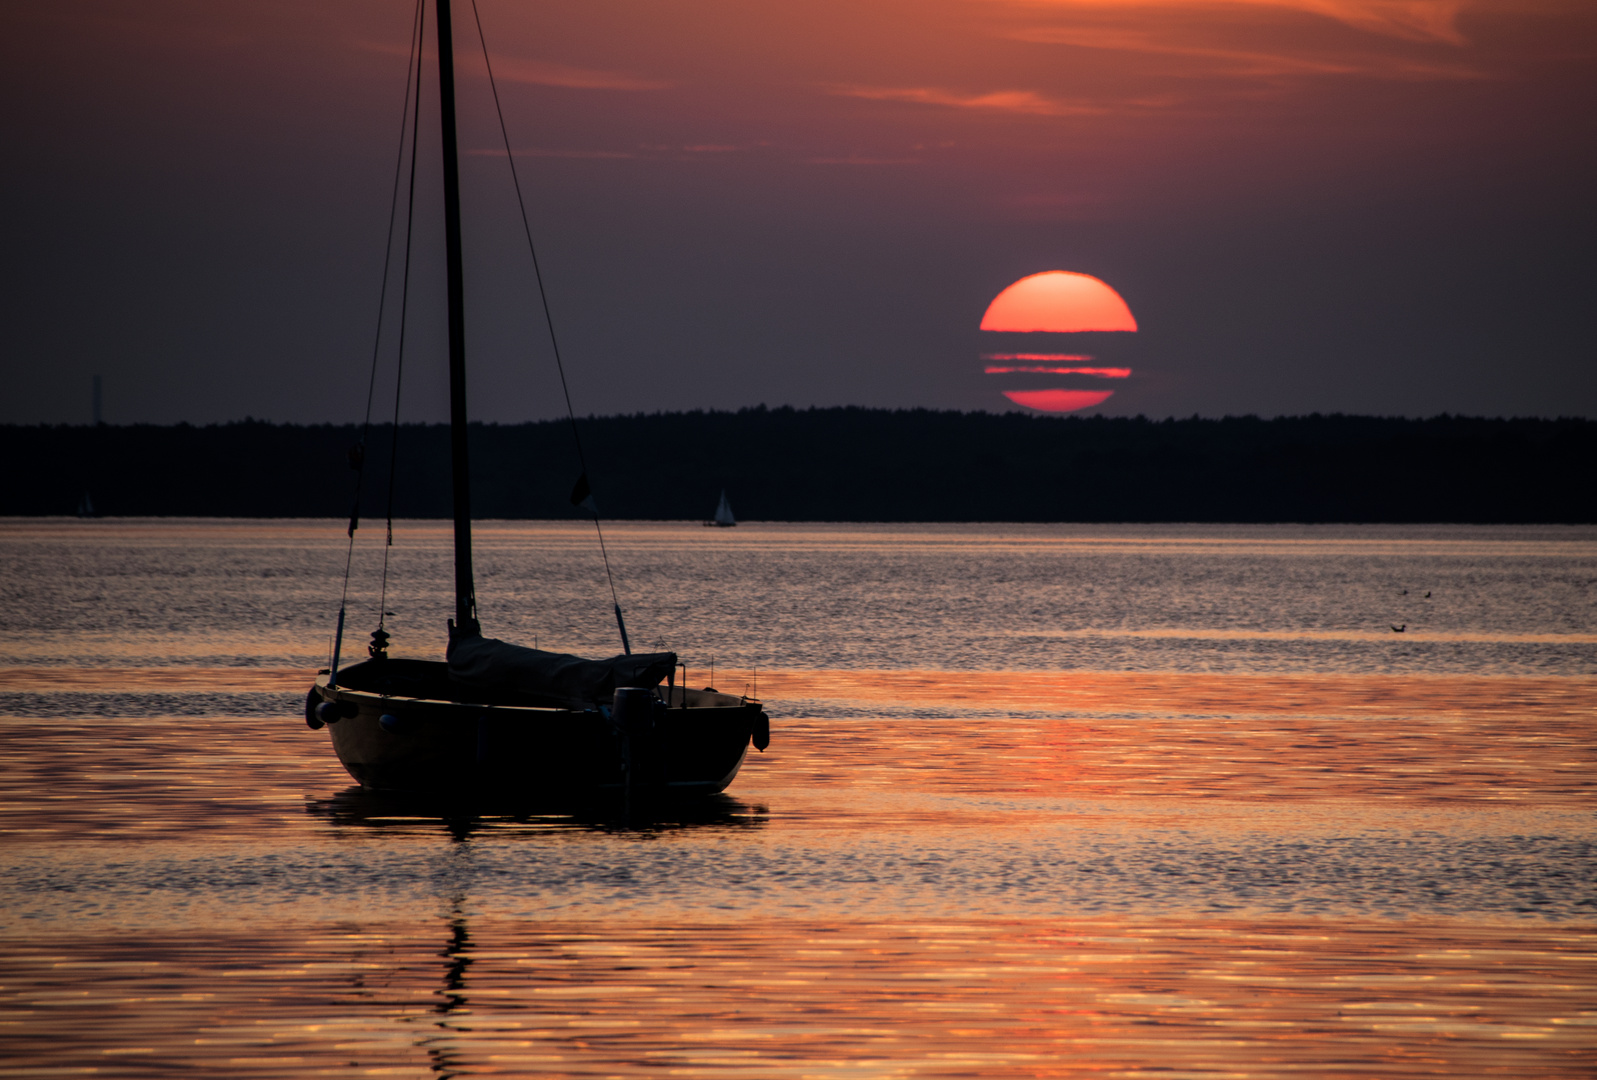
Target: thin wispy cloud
1024 102
543 73
546 73
862 159
554 152
649 151
1410 20
1244 63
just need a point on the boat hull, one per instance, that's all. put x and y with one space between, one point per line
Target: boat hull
396 742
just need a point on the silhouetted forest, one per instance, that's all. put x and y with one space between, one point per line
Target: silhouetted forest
838 464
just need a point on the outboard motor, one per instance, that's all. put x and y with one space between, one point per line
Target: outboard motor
634 711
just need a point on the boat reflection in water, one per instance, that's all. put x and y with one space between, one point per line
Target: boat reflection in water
462 818
446 1029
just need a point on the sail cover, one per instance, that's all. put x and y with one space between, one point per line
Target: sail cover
491 664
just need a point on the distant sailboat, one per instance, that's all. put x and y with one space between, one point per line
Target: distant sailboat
723 514
86 507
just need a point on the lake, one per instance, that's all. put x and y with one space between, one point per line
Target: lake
1130 801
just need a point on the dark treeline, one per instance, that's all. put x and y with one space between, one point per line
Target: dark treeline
841 464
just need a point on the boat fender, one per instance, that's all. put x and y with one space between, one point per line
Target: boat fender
312 721
391 724
761 732
331 712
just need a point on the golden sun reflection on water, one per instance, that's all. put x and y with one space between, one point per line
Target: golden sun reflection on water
161 940
1160 736
1119 998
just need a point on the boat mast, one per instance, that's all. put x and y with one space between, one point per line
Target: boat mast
465 593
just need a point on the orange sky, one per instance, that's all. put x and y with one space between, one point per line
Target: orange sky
1358 205
1111 88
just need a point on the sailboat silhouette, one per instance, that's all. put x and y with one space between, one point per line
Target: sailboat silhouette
723 514
496 718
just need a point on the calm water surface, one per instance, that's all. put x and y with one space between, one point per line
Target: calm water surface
1040 801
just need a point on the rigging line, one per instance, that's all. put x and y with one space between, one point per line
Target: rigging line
404 310
411 68
548 318
358 455
412 77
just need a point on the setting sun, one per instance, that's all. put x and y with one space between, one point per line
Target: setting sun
1058 301
1058 400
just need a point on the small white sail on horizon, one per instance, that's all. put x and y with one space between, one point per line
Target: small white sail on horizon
723 513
